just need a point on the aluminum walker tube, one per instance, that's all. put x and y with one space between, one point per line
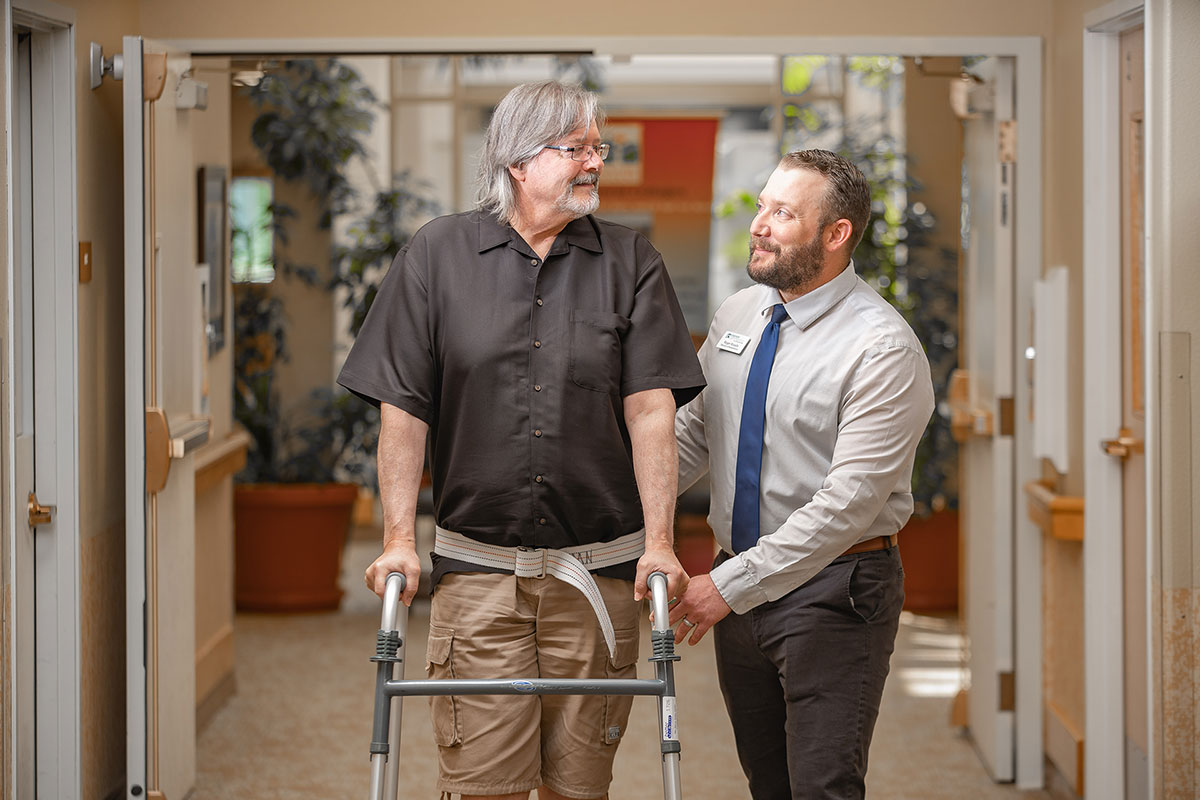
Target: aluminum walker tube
665 669
385 739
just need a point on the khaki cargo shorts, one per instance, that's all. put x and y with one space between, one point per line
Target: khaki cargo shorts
500 626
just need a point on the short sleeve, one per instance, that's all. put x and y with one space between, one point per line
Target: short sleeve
392 357
657 349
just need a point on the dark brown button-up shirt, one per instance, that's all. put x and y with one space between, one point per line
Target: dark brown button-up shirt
519 367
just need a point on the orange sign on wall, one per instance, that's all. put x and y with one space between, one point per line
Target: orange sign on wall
660 164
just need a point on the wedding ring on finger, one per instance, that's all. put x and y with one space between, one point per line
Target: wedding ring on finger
686 621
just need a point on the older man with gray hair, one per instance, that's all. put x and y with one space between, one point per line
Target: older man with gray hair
542 353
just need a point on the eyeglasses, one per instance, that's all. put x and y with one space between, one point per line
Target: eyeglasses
581 152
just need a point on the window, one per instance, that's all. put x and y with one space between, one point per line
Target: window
250 215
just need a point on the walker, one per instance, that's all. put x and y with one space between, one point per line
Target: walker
391 688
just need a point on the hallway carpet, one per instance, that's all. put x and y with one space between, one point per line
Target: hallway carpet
299 725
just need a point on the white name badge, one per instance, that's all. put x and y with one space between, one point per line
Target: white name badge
733 342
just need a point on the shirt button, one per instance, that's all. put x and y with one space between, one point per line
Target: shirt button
537 478
533 261
537 387
541 520
537 343
538 433
539 302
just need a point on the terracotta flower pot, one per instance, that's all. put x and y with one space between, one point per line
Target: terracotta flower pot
929 551
289 540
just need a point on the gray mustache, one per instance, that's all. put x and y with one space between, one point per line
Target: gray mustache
587 179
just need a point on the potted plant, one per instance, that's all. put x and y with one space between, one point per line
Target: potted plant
308 458
925 291
292 501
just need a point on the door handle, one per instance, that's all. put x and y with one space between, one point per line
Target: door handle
1124 445
38 513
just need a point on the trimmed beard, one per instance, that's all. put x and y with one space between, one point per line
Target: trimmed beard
792 268
568 203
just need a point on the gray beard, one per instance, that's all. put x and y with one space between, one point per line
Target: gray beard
793 268
570 204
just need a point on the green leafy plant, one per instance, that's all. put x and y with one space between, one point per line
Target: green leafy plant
312 121
925 292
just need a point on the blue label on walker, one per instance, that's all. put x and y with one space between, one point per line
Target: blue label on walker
670 727
524 686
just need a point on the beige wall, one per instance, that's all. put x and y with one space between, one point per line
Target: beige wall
376 18
1173 172
1062 580
214 506
101 424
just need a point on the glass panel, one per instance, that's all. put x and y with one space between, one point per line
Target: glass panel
818 124
817 76
422 76
253 253
423 147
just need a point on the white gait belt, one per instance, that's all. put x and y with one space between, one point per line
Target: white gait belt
570 564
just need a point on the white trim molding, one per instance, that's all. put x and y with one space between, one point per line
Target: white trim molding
56 451
1103 558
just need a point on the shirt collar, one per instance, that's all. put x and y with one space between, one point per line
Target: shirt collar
581 232
808 308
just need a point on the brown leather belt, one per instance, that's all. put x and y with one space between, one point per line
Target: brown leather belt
874 543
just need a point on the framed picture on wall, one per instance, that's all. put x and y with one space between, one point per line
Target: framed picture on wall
213 206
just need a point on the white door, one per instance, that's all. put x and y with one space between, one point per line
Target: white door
161 295
45 402
986 496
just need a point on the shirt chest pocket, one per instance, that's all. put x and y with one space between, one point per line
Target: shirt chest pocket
596 349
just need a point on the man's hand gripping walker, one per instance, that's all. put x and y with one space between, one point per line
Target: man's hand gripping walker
390 688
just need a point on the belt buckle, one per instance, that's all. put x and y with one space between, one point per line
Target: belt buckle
525 563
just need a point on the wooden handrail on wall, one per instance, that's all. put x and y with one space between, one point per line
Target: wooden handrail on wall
215 460
1059 516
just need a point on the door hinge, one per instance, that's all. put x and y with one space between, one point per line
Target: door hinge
1008 691
1006 411
1006 136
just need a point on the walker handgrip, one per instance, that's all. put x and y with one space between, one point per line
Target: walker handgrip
385 738
393 589
658 600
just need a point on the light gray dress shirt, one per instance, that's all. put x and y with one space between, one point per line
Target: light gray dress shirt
848 400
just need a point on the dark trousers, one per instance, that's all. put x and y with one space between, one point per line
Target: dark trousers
803 676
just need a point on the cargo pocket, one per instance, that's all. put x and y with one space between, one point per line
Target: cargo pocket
622 665
442 708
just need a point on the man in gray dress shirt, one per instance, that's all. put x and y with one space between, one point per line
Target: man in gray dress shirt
805 607
543 353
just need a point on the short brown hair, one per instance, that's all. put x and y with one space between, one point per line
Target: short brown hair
847 193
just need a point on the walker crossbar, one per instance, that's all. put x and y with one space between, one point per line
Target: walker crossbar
610 686
391 688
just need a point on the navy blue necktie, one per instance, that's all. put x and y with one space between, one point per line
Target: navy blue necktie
750 436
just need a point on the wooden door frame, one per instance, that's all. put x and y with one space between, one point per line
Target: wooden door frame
56 616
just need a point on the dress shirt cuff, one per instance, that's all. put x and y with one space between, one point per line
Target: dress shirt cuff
738 585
